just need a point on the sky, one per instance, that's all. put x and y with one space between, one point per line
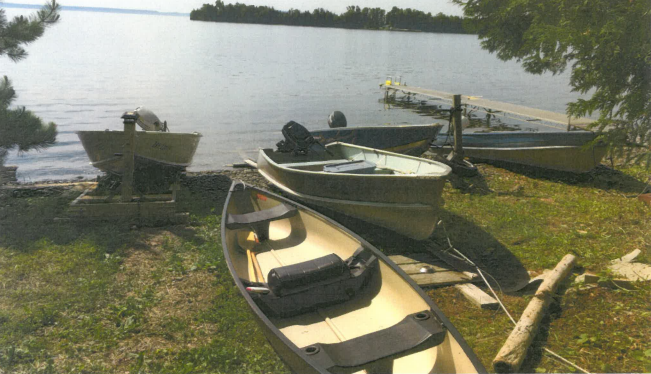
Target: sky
337 6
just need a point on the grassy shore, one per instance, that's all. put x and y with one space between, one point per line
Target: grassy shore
114 298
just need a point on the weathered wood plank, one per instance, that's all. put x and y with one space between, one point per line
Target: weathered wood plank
89 199
444 278
414 258
628 257
415 268
478 297
440 274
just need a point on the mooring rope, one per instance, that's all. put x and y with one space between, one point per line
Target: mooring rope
481 274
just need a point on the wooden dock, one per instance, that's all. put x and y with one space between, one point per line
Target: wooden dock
517 110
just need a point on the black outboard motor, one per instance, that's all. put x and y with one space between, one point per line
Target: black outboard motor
298 140
337 119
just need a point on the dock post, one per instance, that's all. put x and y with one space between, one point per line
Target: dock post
457 153
128 155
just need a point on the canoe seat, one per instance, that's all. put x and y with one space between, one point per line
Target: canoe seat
420 331
259 221
324 281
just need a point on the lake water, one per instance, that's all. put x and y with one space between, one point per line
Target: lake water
239 84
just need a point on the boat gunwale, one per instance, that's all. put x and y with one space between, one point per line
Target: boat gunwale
419 126
415 206
82 132
443 175
551 147
470 354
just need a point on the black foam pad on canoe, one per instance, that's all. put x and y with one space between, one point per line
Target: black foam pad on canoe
284 280
415 332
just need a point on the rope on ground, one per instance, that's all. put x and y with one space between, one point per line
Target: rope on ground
461 256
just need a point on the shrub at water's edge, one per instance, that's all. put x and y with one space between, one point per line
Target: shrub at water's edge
354 18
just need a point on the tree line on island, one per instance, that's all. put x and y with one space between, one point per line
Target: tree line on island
354 18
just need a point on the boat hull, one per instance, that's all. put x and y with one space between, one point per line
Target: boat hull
387 298
414 220
564 151
406 204
172 151
411 140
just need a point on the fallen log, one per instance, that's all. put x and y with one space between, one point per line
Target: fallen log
513 352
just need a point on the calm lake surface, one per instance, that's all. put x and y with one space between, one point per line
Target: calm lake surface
239 84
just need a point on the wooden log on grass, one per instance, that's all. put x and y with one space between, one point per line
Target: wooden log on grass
510 357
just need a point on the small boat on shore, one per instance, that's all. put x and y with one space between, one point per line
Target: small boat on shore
411 140
327 300
398 192
155 147
565 150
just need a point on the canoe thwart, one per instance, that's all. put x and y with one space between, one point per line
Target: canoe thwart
317 283
259 220
238 221
421 330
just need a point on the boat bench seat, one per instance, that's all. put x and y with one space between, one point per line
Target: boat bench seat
314 163
317 283
419 331
351 167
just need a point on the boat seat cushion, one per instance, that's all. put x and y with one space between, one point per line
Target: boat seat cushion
306 286
351 167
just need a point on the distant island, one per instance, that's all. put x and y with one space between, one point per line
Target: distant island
354 18
95 9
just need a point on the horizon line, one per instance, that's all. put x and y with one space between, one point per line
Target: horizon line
94 9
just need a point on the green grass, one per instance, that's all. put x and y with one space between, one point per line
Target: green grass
112 299
107 299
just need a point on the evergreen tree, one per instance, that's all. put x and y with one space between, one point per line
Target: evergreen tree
19 127
607 44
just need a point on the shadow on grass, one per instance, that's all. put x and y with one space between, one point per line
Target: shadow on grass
601 177
27 221
479 246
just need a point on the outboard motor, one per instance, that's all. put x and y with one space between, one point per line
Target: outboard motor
337 119
298 140
148 121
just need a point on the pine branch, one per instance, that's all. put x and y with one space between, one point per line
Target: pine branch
24 30
7 93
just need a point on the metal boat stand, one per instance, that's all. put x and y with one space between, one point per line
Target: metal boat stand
144 210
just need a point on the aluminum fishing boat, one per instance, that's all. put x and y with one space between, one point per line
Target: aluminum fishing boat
411 140
398 192
155 147
565 151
